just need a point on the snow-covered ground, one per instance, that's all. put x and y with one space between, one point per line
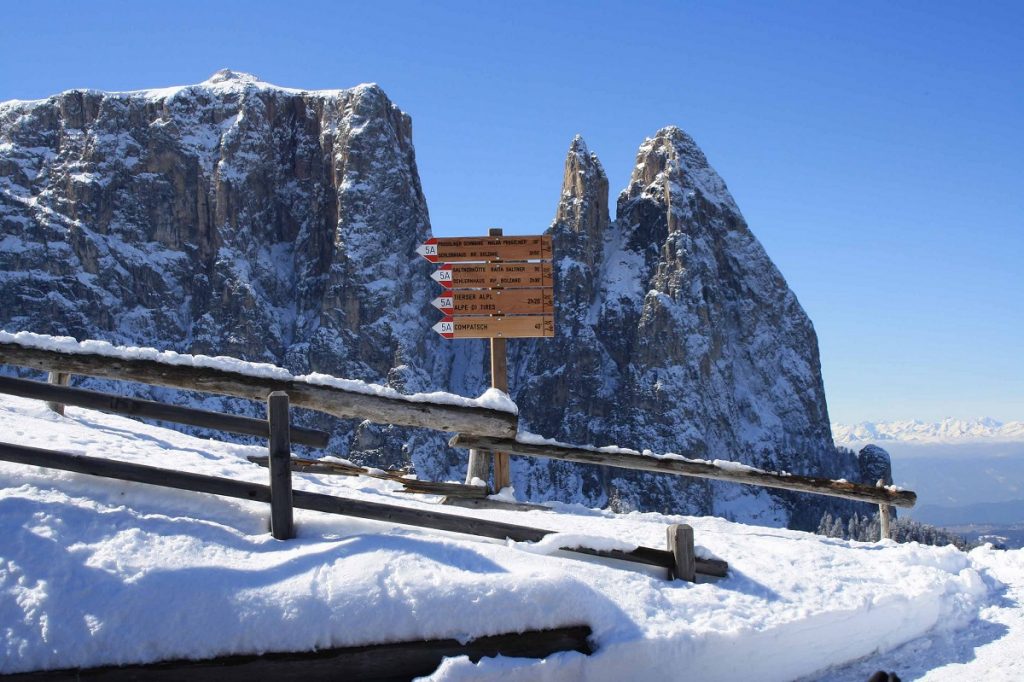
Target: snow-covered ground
96 571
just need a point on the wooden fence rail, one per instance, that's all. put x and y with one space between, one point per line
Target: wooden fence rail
696 468
380 662
333 400
150 409
375 511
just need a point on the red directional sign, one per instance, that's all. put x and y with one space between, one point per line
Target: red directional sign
482 327
485 249
490 275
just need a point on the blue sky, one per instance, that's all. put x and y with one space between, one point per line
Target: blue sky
875 148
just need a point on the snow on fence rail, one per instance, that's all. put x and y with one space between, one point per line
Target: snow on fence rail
534 446
57 396
492 414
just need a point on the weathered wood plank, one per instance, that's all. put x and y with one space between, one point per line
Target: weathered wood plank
696 468
411 485
281 519
885 516
486 503
329 399
301 499
499 380
479 467
680 544
393 661
58 379
150 409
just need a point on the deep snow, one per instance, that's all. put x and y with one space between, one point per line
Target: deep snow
96 571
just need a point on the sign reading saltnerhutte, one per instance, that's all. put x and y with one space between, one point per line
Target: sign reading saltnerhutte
490 275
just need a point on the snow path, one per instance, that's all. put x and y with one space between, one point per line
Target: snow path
97 572
989 649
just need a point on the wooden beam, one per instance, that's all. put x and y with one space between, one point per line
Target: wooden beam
411 485
680 544
393 661
58 379
282 526
884 516
697 468
376 511
329 399
150 409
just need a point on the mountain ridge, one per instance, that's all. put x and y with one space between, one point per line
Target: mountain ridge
946 431
277 225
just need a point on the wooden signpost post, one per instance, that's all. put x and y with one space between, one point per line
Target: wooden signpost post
496 288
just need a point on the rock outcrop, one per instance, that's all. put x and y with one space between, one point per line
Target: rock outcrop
238 218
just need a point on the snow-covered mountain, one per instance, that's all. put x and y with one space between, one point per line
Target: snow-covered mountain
948 431
235 217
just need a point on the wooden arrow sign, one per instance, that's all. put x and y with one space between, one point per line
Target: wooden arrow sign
495 302
485 249
487 276
515 326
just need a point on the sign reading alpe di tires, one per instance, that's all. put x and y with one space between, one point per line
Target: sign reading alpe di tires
496 286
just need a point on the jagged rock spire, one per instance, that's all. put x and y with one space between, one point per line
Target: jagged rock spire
582 213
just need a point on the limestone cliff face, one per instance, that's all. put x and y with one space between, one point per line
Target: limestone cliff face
238 218
230 217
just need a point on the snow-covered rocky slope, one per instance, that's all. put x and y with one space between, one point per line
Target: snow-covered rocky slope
238 218
96 572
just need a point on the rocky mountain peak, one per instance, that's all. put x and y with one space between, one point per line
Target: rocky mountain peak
672 169
582 210
229 75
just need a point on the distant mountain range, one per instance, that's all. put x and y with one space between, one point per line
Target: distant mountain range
949 431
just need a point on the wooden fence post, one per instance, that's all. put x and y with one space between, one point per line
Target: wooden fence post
499 380
58 379
281 523
884 516
680 543
479 466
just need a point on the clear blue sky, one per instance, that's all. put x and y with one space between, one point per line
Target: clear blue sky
875 148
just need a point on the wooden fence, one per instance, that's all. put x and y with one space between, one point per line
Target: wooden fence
479 429
885 497
332 400
679 559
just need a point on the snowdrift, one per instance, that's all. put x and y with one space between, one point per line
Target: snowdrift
98 572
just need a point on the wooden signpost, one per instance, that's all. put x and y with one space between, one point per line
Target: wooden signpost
496 288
